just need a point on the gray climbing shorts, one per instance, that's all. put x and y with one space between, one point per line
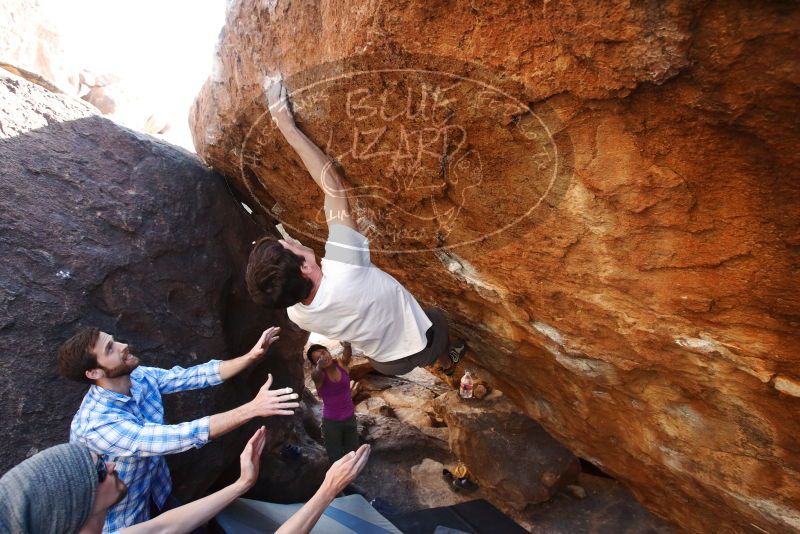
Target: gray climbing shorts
438 344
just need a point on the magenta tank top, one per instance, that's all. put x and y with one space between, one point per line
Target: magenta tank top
337 404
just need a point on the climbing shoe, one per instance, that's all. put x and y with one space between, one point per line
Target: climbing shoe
457 351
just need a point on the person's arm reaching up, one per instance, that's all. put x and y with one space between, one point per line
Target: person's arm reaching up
267 402
230 368
318 164
190 516
347 354
184 379
316 374
347 359
341 473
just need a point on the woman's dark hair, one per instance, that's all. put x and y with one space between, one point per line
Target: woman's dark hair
312 349
75 355
273 275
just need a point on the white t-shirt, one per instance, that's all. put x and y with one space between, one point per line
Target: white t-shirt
359 303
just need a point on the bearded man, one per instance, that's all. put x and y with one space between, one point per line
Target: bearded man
122 415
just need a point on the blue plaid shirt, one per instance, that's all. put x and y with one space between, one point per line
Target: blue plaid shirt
131 432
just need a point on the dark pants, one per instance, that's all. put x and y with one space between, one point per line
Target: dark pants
438 344
341 437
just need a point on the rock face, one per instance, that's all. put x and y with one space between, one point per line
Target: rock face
31 41
102 226
598 505
435 490
405 470
603 202
508 454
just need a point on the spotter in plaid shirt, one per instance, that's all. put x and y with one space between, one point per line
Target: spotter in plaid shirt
122 414
131 431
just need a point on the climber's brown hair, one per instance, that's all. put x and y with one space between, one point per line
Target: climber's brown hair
75 355
273 275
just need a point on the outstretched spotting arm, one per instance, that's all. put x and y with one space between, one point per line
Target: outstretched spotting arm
341 473
191 516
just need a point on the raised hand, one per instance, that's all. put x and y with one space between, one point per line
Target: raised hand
268 337
278 100
342 473
250 459
355 387
270 402
346 469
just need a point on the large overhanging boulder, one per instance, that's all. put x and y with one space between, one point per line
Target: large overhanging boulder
602 198
102 226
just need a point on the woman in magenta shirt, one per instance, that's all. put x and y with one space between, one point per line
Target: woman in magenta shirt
332 380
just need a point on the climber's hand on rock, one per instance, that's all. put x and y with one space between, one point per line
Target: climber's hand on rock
346 469
250 460
270 402
278 101
273 85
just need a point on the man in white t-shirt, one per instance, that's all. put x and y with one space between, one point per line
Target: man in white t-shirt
346 297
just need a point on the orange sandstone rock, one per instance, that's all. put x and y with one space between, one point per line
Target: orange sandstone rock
602 197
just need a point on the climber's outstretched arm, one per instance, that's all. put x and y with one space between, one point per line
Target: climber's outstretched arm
319 165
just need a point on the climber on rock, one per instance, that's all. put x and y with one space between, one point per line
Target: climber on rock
345 296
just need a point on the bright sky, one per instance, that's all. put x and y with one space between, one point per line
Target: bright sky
162 49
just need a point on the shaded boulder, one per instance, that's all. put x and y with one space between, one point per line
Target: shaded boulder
598 505
508 454
435 490
389 435
102 226
441 432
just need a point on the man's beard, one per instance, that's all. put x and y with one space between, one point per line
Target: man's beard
125 368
